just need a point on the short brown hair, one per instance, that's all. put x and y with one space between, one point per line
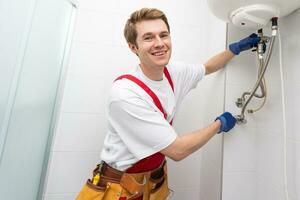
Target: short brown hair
138 16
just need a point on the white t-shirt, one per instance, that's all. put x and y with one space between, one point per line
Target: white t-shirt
136 127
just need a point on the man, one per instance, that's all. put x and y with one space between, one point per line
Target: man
141 107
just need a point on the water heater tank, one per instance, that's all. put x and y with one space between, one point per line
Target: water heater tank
251 13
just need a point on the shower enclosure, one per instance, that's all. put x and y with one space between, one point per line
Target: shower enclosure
35 36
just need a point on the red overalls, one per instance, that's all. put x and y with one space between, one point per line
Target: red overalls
155 160
111 184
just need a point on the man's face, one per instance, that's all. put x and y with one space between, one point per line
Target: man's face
153 43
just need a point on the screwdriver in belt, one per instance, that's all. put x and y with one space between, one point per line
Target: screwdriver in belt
96 179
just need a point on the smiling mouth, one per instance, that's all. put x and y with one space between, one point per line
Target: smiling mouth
159 53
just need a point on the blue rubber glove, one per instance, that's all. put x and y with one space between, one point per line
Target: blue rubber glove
244 44
227 122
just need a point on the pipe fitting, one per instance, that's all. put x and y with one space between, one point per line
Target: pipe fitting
240 119
274 27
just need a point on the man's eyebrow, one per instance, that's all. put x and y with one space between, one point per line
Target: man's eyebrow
149 33
165 32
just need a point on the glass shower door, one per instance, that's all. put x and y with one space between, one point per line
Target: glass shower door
34 41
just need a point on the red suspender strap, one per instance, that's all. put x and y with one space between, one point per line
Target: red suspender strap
167 74
147 89
155 160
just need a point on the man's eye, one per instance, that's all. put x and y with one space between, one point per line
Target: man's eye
148 38
164 35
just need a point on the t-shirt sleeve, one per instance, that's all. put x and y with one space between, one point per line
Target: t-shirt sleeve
186 77
142 129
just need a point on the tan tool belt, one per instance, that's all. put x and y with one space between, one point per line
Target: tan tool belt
111 184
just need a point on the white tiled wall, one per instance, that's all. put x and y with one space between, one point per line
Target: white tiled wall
98 55
253 153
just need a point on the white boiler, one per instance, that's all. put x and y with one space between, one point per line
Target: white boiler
251 13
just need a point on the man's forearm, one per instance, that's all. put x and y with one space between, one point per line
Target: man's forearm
188 143
218 61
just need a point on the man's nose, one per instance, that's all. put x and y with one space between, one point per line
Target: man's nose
158 41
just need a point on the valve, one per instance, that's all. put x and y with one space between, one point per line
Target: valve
240 102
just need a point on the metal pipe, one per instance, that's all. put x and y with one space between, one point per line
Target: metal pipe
240 101
262 85
260 51
241 117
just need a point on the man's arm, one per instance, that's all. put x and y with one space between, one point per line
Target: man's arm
218 61
187 144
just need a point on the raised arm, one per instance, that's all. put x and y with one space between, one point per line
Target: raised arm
220 60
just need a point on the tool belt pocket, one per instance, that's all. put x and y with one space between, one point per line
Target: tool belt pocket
103 187
159 184
112 191
91 192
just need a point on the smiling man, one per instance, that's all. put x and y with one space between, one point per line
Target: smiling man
152 46
141 107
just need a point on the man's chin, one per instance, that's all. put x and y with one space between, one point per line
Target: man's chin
163 62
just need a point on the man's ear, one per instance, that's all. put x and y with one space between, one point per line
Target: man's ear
132 47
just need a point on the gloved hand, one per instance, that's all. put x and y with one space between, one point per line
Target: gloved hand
227 122
244 44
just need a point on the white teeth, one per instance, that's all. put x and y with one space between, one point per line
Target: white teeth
159 53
